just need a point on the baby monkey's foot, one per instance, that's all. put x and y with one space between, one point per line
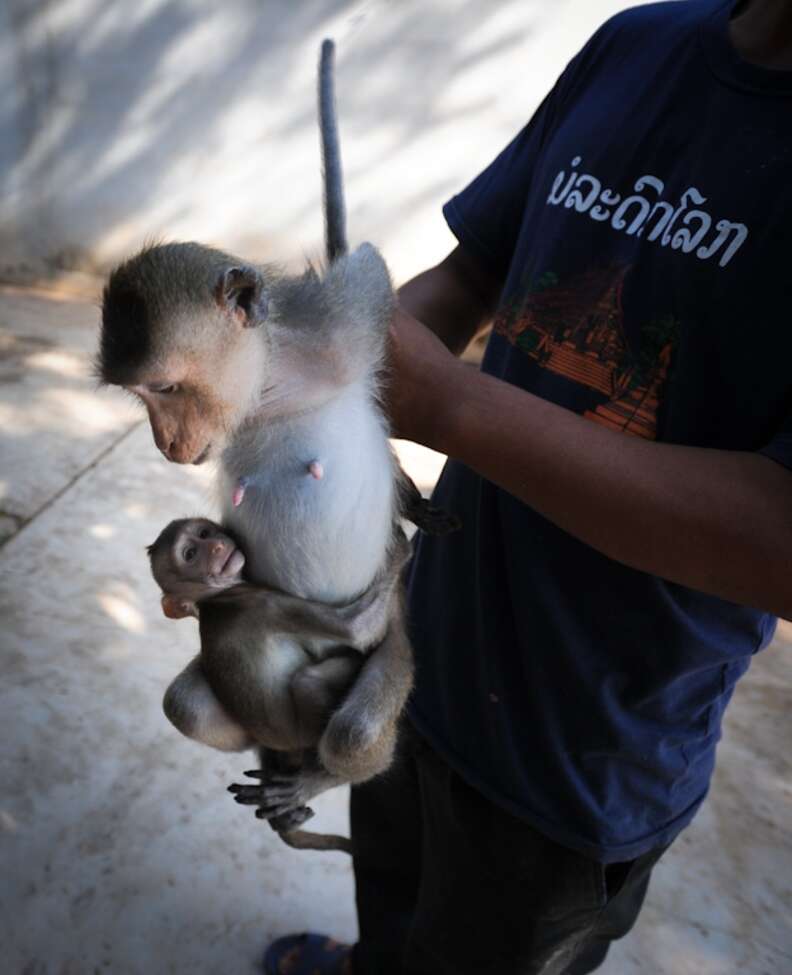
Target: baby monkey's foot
278 793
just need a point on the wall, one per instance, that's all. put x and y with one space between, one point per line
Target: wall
194 119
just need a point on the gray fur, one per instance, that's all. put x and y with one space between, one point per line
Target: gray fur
344 314
149 294
313 375
254 684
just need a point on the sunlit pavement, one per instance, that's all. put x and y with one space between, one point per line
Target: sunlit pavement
120 848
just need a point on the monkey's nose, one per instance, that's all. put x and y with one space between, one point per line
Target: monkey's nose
167 452
217 548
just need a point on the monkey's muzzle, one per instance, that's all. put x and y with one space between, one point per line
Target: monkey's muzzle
202 456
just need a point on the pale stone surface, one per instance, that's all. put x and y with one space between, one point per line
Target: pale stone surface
196 120
119 844
720 900
53 422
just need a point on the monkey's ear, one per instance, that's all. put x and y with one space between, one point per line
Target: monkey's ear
177 609
241 291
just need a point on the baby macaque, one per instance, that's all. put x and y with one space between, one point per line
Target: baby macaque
272 667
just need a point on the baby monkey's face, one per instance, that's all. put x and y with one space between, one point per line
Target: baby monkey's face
203 555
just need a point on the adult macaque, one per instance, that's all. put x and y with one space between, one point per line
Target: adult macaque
272 667
277 379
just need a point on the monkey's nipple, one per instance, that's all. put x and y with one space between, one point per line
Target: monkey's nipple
239 492
316 470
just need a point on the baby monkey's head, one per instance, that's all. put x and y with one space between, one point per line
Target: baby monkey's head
193 558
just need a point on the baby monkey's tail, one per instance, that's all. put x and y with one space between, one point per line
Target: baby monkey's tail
302 839
333 180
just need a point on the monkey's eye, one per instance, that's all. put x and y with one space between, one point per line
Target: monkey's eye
189 553
203 533
165 390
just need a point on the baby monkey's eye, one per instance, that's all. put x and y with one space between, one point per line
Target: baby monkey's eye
165 390
189 554
203 533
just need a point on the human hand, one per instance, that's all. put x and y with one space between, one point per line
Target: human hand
419 386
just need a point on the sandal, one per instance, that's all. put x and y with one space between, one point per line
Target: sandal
307 954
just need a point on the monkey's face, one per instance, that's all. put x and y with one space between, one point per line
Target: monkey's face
200 556
181 330
196 400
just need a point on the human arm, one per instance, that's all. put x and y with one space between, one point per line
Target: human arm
455 299
714 520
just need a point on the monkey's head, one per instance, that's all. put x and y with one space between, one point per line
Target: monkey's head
179 331
193 558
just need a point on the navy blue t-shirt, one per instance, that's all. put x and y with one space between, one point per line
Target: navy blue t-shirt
642 225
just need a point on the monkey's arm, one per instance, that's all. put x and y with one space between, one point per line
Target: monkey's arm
287 784
191 706
317 690
358 624
359 739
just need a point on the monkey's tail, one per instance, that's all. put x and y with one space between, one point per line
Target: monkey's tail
333 180
302 839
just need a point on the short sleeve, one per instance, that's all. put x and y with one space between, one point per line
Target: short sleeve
487 215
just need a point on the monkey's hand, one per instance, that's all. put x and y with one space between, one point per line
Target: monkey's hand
281 793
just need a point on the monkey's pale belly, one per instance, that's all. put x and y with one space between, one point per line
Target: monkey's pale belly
323 538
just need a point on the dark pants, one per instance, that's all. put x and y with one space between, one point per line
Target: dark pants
447 883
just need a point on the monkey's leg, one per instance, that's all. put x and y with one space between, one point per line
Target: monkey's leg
275 795
318 689
281 793
191 706
360 737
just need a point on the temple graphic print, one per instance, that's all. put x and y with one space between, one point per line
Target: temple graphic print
577 331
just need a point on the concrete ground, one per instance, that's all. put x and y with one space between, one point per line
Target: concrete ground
119 848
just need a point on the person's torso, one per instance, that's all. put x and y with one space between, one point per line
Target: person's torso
648 292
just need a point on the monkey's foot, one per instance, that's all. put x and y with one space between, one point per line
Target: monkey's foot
286 822
423 514
277 794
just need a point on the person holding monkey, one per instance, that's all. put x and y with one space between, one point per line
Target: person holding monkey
621 467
